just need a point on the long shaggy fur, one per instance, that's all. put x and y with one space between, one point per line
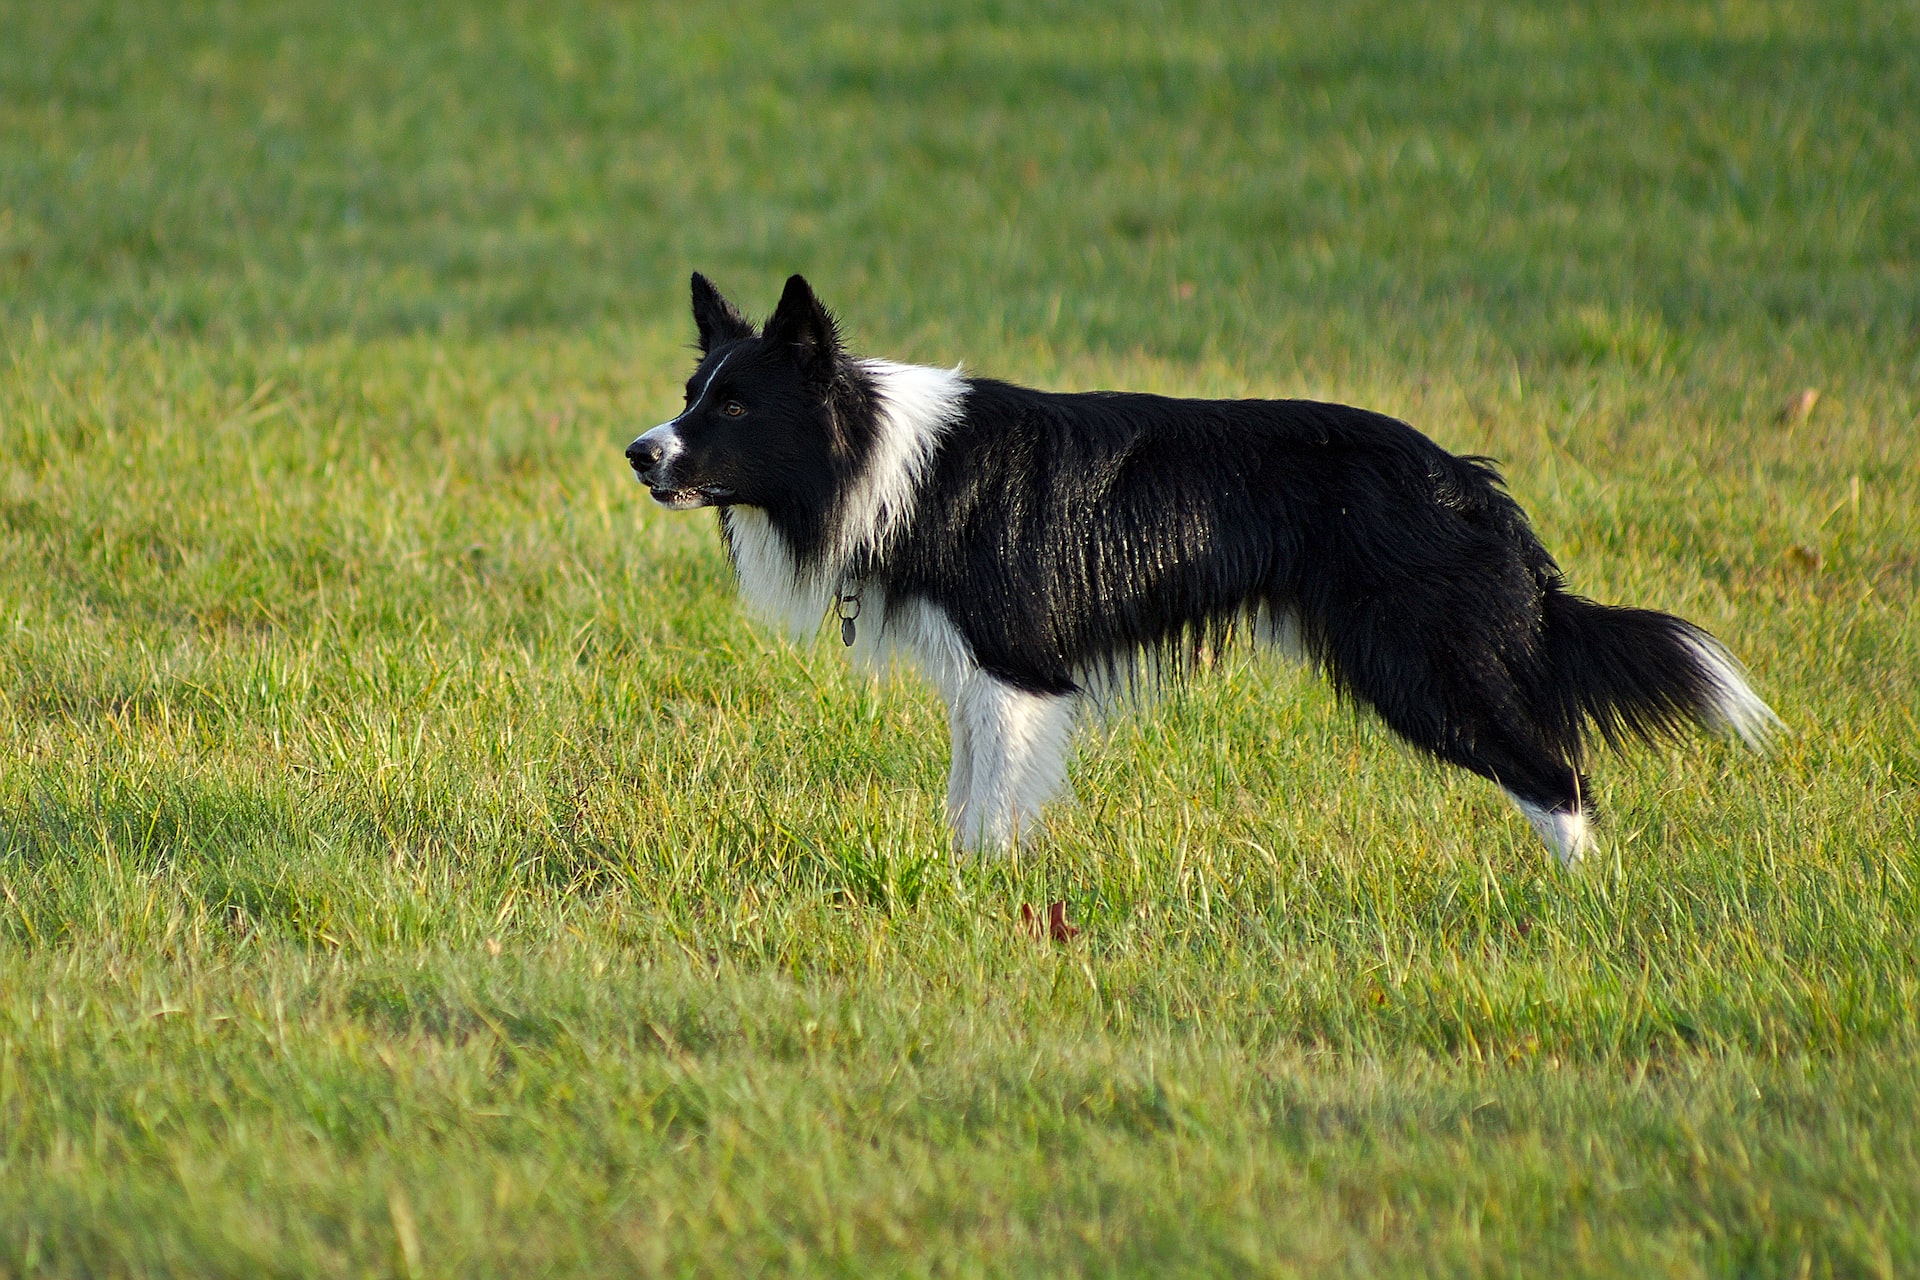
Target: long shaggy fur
1028 548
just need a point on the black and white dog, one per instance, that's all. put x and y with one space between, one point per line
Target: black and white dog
1033 552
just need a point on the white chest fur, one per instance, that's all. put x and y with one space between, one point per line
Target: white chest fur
773 584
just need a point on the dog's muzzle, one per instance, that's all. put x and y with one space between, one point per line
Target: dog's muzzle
651 457
644 455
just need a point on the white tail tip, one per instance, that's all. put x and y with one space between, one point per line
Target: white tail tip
1732 706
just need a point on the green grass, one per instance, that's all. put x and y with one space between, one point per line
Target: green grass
411 862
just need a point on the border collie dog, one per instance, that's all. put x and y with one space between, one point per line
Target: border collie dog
1035 553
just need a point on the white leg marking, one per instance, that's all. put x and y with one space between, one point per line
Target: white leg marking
921 635
960 774
1569 835
1019 744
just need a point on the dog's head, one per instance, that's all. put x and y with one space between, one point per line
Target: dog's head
758 418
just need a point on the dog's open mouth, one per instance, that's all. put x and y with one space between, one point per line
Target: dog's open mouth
706 495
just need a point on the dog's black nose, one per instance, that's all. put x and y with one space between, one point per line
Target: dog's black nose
643 454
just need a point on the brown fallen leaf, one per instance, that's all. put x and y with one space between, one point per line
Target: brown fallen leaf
1805 559
1799 406
1054 927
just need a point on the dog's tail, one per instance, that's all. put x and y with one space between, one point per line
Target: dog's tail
1637 673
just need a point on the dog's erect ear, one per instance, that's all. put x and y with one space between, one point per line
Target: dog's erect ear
805 327
715 317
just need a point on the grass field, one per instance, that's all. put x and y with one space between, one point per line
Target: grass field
411 862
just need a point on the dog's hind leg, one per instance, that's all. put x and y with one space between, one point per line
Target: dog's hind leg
1547 790
1551 793
1015 744
1503 747
1469 711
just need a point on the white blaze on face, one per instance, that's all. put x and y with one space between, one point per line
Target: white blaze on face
667 437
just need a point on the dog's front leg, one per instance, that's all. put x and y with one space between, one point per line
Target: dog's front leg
1015 746
960 774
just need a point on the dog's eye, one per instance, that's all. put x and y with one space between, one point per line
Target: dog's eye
733 409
